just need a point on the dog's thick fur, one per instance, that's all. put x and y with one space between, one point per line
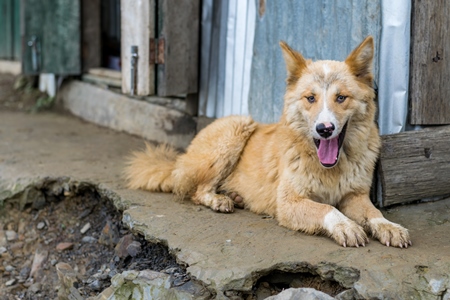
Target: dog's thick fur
281 169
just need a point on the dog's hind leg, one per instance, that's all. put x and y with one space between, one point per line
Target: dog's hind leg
206 195
210 159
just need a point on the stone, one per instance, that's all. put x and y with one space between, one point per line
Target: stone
68 279
346 295
446 296
134 248
147 284
3 240
9 268
10 282
301 293
64 246
85 228
106 294
121 247
35 287
109 235
40 256
11 235
2 250
263 291
40 225
25 271
95 285
16 246
88 239
21 228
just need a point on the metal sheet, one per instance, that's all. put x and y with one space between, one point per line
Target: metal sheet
226 56
394 66
325 29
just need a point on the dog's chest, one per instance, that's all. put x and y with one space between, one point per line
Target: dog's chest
329 186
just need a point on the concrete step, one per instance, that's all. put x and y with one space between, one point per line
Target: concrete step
155 122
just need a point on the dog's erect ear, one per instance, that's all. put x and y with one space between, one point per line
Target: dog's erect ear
295 62
360 61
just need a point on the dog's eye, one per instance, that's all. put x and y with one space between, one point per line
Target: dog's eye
311 99
341 98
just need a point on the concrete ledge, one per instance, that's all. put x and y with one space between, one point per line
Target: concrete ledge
10 67
119 112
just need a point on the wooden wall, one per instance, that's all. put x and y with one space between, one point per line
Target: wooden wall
430 65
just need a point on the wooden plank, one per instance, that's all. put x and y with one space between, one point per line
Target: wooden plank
102 80
430 45
104 72
137 27
56 23
91 34
415 165
178 24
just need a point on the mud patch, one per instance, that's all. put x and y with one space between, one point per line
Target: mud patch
81 230
19 93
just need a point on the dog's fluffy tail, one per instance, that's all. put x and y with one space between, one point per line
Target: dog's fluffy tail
152 168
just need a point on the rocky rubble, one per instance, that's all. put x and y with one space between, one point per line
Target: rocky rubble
73 247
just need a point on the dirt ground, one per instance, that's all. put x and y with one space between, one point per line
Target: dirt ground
20 94
83 231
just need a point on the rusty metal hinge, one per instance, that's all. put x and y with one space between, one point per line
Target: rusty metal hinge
157 51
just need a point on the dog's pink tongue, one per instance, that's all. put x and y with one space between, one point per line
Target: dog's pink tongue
328 151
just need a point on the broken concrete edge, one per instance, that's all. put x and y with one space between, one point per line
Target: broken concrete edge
37 191
10 67
345 276
120 112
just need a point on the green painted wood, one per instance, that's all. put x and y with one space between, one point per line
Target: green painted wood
17 41
6 30
56 25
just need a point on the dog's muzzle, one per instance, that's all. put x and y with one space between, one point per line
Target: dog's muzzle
328 149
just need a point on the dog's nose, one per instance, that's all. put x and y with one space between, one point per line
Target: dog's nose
325 129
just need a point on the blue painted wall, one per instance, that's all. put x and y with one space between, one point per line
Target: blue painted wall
319 29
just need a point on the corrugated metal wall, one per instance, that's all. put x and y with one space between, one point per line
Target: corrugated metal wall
226 56
320 29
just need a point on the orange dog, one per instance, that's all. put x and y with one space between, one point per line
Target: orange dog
312 170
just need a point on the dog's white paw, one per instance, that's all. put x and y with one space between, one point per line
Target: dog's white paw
350 235
344 231
222 203
390 234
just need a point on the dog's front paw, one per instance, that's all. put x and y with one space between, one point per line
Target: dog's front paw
349 234
390 234
344 231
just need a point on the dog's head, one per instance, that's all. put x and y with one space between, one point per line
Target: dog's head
323 97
